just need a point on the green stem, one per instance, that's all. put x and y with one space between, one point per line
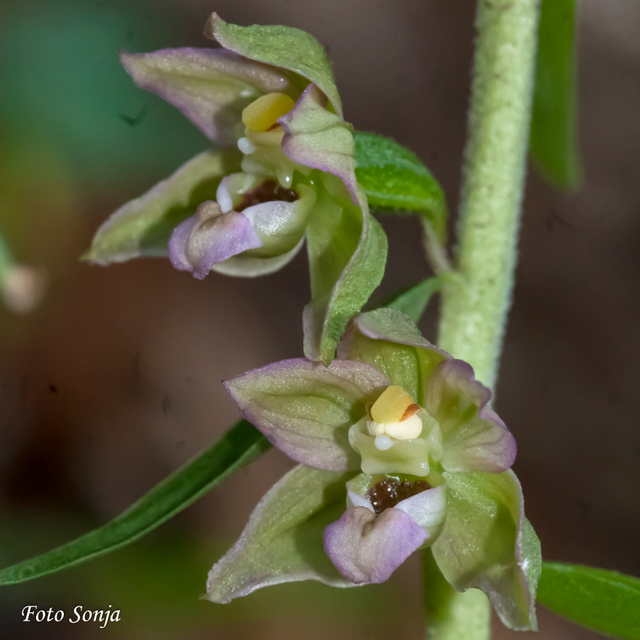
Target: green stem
450 614
474 310
475 305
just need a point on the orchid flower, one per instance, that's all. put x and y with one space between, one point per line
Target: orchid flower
285 174
404 434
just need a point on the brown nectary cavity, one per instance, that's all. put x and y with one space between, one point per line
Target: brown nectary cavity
268 191
387 493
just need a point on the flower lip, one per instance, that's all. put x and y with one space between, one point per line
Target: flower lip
209 237
389 492
267 191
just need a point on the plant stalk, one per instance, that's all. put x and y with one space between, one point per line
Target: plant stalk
475 305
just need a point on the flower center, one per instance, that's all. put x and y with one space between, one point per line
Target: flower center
268 191
394 417
388 492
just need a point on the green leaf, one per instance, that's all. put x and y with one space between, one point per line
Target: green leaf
554 116
237 448
347 254
142 226
414 301
488 544
605 601
282 541
284 47
394 180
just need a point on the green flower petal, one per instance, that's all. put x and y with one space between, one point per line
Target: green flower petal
387 339
142 226
306 409
210 86
488 544
282 541
347 255
284 47
319 139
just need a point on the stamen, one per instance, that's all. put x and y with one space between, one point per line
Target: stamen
263 113
391 405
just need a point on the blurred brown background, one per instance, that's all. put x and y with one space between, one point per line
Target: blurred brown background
115 380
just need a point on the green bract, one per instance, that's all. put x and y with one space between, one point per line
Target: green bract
395 180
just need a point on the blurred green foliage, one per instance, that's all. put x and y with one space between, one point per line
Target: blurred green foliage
554 146
63 85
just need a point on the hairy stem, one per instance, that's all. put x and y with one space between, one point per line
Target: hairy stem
475 305
474 310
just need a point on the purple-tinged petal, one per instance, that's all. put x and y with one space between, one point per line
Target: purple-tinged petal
210 237
245 265
473 437
487 543
306 409
317 138
283 47
209 86
387 339
178 244
279 224
282 541
428 509
142 226
356 500
366 548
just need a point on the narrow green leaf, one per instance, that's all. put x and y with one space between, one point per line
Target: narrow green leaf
554 116
414 301
142 226
394 180
605 601
237 448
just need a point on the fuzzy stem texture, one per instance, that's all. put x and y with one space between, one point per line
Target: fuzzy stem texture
474 309
475 305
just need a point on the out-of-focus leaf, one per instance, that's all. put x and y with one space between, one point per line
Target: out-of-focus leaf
238 447
605 601
394 180
553 125
414 301
142 226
